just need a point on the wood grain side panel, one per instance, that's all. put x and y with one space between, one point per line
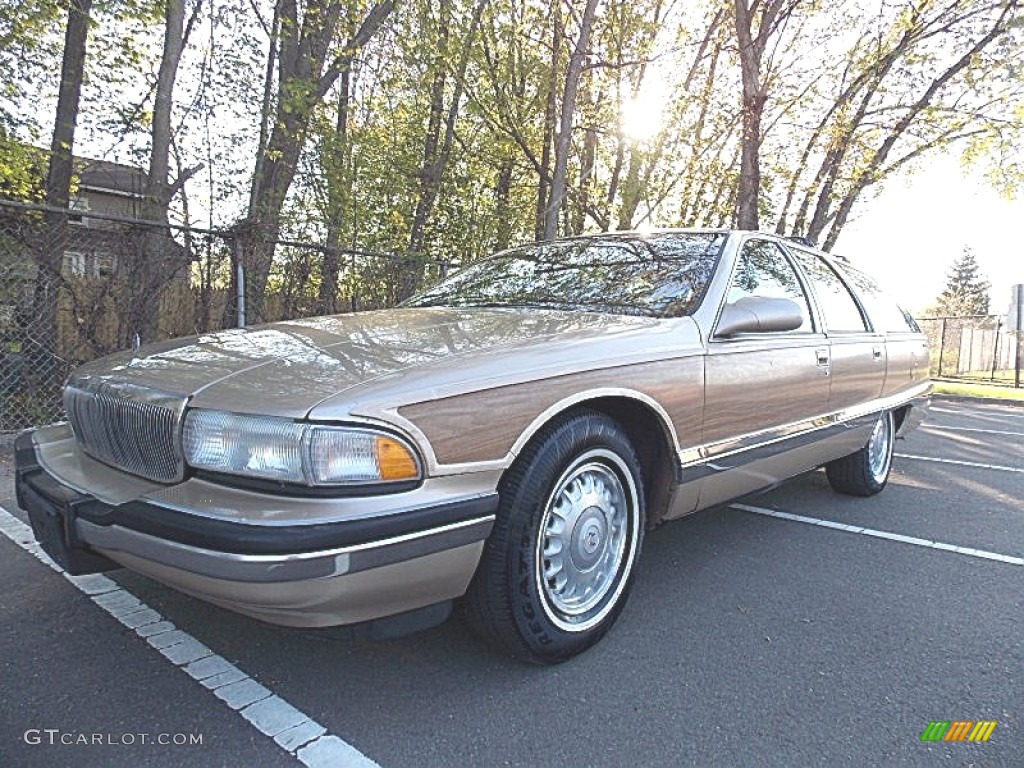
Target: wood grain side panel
749 390
484 426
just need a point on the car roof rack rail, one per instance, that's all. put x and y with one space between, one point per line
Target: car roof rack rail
801 240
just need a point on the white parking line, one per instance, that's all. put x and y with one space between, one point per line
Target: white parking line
979 465
940 428
296 733
1008 559
1006 410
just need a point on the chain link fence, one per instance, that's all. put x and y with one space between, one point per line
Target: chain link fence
978 348
75 286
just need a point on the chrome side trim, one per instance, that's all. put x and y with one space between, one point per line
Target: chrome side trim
299 566
703 460
594 394
770 448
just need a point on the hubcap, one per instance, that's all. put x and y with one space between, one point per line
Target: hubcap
587 540
880 448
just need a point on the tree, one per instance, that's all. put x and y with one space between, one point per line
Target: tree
443 130
437 145
752 39
29 53
159 258
159 189
913 88
306 73
966 291
563 138
58 176
59 171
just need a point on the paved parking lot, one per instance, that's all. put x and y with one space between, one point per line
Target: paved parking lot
751 639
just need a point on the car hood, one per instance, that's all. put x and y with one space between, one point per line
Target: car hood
324 367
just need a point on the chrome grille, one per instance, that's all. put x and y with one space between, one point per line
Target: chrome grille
128 427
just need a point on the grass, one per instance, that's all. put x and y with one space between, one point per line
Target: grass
977 390
999 376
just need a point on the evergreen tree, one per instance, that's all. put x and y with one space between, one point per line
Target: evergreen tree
966 291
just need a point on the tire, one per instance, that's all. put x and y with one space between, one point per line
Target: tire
866 472
555 574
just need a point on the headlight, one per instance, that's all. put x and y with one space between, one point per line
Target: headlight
292 452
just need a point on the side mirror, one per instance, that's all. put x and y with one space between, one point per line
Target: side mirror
757 314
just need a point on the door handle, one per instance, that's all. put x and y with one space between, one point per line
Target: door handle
876 352
823 358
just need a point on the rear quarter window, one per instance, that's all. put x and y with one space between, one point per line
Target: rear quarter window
886 315
842 315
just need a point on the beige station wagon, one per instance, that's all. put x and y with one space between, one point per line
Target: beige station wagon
503 439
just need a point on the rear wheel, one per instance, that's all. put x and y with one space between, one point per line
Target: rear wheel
559 563
866 472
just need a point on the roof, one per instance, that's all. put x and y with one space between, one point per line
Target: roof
107 175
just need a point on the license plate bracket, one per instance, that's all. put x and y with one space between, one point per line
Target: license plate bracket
52 524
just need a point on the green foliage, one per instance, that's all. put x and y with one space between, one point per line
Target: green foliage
29 46
22 169
655 138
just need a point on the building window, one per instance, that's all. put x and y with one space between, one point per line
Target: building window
74 264
105 264
77 205
89 264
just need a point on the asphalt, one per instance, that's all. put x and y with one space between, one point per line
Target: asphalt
748 641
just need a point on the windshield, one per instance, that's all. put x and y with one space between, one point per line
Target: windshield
658 275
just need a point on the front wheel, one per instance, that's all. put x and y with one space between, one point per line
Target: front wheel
559 563
866 472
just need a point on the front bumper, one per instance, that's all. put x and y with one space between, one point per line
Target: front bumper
308 572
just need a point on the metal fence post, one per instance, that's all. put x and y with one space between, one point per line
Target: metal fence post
995 350
1020 326
942 345
355 285
970 353
240 272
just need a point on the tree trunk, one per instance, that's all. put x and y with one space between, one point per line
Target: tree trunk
160 259
437 147
587 163
563 141
58 181
58 175
157 186
752 103
502 193
339 190
427 180
550 106
265 105
630 191
304 78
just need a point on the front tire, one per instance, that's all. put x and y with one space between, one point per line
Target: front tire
866 472
558 566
